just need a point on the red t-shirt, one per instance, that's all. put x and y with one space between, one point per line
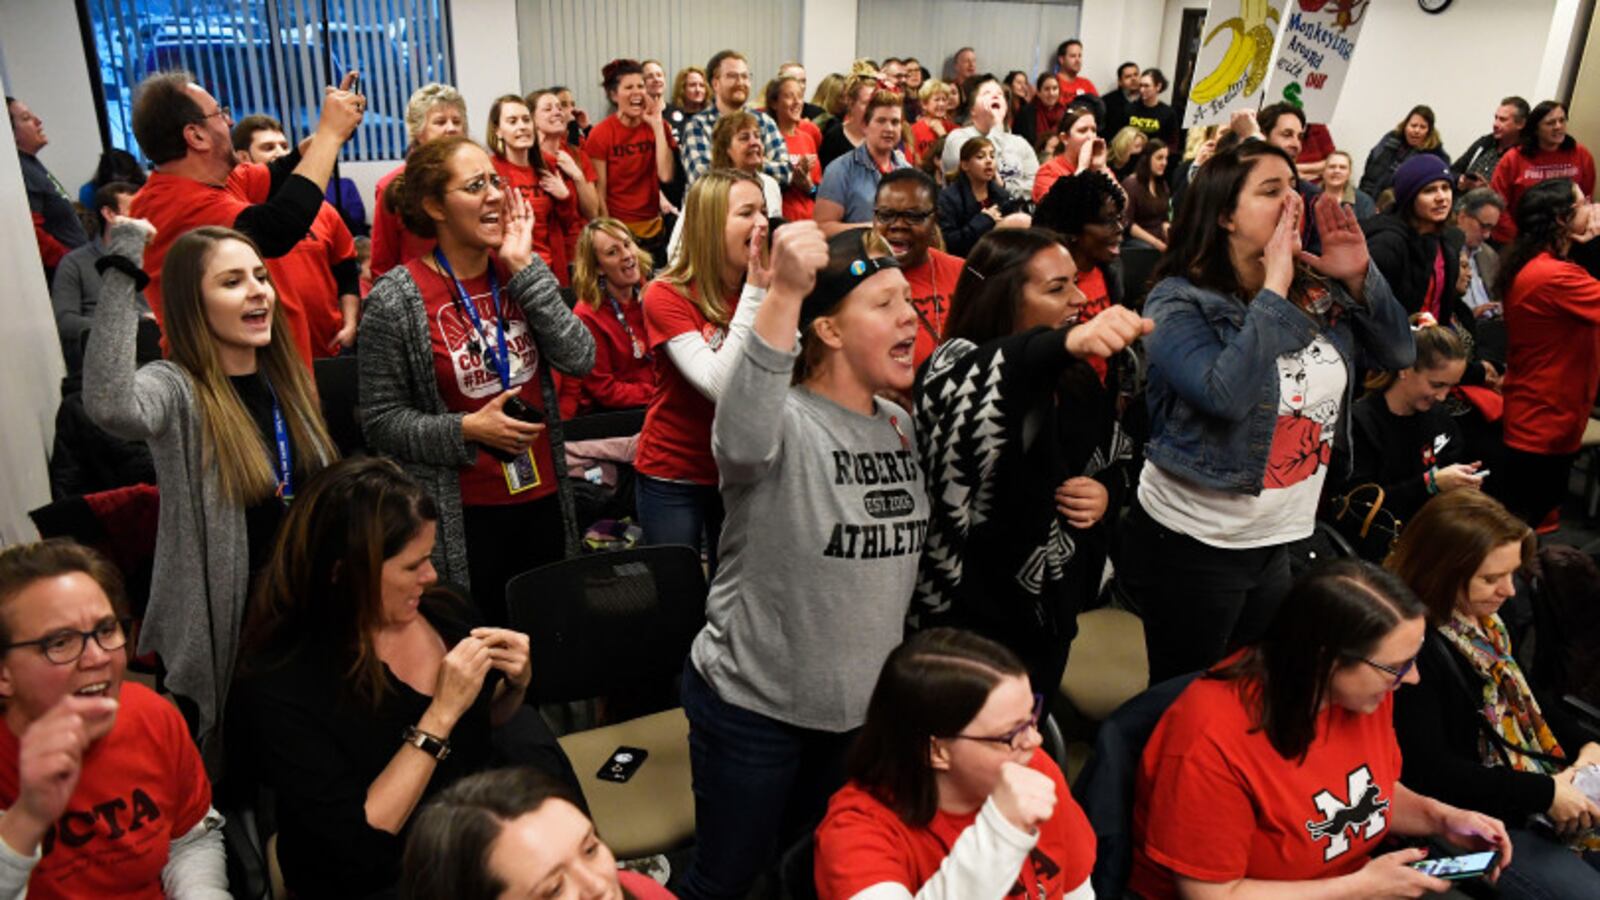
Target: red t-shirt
143 786
861 842
922 136
1092 282
1057 168
572 220
641 886
467 381
932 285
392 244
548 213
1215 802
798 205
1552 355
1074 87
176 205
1515 173
624 373
675 444
633 188
308 270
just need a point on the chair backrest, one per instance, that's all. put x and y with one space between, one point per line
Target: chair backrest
611 423
337 387
1105 787
608 623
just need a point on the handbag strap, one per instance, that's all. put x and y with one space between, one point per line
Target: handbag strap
1453 663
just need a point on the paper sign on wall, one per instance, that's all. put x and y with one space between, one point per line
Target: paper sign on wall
1314 55
1234 59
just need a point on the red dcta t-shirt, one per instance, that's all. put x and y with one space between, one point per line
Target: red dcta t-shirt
1215 802
143 786
1552 355
624 374
675 444
1092 282
633 188
392 244
932 285
863 842
468 380
308 268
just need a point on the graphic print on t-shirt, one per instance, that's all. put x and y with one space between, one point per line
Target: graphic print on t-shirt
1309 388
881 471
1362 809
475 373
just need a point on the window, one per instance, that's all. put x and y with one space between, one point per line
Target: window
273 57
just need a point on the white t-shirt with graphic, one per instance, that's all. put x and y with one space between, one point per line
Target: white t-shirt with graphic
1311 387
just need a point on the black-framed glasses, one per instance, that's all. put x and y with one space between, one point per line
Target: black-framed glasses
64 647
911 217
222 111
1013 737
1398 673
480 184
1481 223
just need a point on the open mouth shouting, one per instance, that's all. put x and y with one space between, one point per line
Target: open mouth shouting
902 353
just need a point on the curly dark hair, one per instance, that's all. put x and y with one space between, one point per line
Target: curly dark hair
1543 216
1075 201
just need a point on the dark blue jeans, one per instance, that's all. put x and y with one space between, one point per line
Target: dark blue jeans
1543 869
671 512
759 785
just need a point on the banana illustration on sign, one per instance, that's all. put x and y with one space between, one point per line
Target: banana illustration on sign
1251 49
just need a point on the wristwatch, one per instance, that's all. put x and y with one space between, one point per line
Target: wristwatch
434 746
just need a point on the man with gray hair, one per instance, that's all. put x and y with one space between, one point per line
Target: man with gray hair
1475 167
1477 213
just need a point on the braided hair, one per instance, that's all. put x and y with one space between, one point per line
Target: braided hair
1543 216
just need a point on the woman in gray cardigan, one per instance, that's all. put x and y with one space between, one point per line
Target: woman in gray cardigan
455 381
232 424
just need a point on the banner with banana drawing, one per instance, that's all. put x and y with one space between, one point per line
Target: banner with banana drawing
1314 55
1235 58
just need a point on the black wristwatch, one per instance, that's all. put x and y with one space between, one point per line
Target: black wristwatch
434 746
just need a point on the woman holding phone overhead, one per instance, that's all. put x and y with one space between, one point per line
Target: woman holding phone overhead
455 372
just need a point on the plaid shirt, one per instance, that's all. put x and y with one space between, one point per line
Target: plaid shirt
697 145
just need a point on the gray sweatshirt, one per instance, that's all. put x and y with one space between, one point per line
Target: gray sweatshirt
825 521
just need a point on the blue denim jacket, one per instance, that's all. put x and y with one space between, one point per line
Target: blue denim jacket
1213 388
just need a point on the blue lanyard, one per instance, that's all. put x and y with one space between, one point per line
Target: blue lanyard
501 360
285 467
639 349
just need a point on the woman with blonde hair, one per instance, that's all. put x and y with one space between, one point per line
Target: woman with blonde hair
1337 167
697 315
1473 732
607 277
434 111
827 96
233 425
691 93
848 127
736 144
936 99
1124 151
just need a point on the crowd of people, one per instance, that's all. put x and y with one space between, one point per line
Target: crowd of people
926 368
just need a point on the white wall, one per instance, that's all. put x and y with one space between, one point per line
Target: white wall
827 37
30 382
1405 56
1116 32
41 59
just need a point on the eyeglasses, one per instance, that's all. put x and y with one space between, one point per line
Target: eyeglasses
911 217
1481 223
480 184
1015 736
1398 673
222 111
64 647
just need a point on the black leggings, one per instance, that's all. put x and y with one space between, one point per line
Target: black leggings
505 541
1532 484
1198 602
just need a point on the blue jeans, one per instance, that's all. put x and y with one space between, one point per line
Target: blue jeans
759 785
672 512
1544 869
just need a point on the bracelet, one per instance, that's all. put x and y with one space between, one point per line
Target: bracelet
431 744
124 265
1430 479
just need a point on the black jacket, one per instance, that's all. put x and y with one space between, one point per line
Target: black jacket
1438 722
1405 257
961 217
1390 451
